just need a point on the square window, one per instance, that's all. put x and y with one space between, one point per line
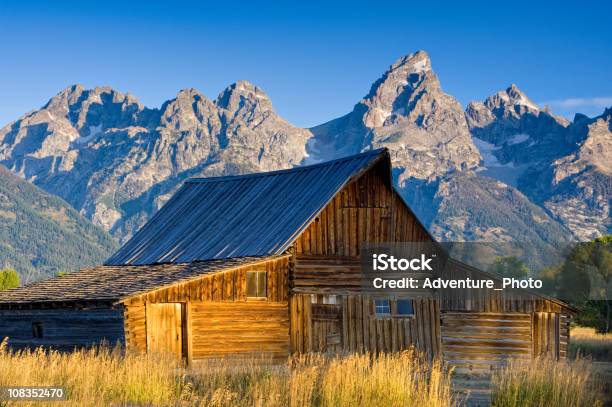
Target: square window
383 307
256 284
404 307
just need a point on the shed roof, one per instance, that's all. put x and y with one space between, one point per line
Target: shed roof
247 215
115 283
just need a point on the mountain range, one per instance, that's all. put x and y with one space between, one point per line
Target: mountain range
503 169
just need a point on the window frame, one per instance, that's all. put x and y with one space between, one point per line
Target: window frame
411 308
376 306
393 308
261 285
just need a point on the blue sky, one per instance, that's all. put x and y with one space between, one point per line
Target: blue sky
314 59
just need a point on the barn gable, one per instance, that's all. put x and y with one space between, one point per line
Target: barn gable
238 216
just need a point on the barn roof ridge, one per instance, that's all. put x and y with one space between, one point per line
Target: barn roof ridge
299 168
257 214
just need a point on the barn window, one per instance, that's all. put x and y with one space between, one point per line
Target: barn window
383 307
37 330
256 284
404 307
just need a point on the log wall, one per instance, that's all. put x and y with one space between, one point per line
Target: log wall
239 329
485 300
62 328
485 340
348 323
219 318
328 312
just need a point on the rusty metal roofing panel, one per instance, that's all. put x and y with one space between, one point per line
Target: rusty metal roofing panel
247 215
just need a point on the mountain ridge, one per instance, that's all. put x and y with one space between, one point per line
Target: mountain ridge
116 161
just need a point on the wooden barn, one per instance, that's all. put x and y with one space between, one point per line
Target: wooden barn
268 264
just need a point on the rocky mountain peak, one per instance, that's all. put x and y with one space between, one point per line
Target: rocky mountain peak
406 111
399 86
186 110
243 95
415 63
511 101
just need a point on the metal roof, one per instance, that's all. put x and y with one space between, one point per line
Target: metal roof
238 216
115 283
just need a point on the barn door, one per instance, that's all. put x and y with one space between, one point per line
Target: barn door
326 327
165 328
545 334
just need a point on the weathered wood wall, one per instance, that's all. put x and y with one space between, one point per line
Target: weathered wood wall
332 323
228 285
220 320
546 334
239 329
63 328
486 300
328 311
564 335
485 340
366 210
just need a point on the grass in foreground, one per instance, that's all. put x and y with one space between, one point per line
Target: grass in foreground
107 377
585 342
545 382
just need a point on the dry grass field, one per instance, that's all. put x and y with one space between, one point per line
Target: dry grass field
105 376
545 382
585 342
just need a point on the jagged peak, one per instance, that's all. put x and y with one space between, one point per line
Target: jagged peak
511 96
240 90
190 93
416 62
77 93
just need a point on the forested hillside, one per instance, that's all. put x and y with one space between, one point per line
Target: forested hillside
41 235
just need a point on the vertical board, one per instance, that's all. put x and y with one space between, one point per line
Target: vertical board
165 328
547 332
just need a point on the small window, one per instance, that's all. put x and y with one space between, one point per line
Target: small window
256 284
404 307
37 330
383 307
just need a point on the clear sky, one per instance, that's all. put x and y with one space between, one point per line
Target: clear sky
314 59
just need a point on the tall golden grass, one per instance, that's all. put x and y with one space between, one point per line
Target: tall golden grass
545 382
586 342
104 376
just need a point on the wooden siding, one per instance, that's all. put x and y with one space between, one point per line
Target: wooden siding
225 286
366 210
134 318
564 335
486 300
239 329
546 332
166 333
215 310
326 274
485 340
328 314
62 328
332 323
